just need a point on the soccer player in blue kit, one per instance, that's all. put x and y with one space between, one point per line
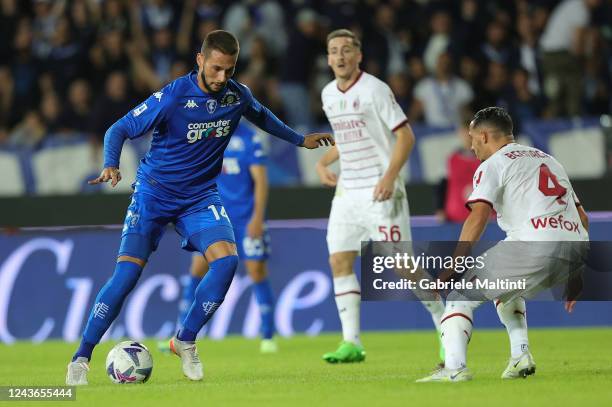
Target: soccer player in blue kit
243 186
192 119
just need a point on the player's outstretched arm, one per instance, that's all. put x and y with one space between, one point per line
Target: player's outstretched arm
263 118
328 177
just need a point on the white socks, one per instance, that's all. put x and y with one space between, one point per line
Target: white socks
513 316
348 301
456 327
436 309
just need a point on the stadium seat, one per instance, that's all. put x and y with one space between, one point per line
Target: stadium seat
434 150
63 169
572 148
13 181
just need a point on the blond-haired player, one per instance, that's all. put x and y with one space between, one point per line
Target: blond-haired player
373 142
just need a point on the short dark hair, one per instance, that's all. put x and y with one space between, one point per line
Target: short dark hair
222 41
496 117
343 32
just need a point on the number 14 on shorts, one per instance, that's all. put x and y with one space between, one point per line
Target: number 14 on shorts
216 213
390 234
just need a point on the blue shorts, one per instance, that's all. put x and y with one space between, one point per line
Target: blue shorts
251 248
201 221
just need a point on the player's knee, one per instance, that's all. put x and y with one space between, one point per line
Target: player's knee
199 266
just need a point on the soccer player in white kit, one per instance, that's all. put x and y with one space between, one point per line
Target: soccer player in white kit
373 141
542 217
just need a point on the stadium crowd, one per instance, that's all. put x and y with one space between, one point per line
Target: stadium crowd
73 67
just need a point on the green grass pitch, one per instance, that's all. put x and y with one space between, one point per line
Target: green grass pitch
574 368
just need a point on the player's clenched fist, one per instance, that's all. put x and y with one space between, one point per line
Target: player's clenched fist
111 174
316 140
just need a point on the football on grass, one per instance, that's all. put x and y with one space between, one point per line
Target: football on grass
129 362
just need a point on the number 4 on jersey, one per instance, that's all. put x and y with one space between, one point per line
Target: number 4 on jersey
546 178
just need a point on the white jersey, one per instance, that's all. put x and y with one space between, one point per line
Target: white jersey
531 193
363 119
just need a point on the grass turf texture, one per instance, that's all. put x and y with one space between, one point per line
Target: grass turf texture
574 367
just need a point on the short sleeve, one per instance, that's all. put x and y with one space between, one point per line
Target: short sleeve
487 184
388 109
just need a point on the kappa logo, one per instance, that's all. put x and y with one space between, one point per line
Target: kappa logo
211 105
158 96
190 104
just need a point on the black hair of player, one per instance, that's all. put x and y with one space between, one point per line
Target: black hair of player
495 117
222 41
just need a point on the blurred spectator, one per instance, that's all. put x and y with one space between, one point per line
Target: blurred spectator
84 15
596 88
382 49
6 95
528 52
111 106
520 102
157 15
438 41
76 114
114 16
495 48
562 45
46 15
257 18
25 71
416 69
441 98
8 24
297 68
162 54
179 68
29 132
65 59
400 86
108 55
50 112
453 191
494 86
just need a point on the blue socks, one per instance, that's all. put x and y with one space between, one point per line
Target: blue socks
265 299
107 306
263 295
208 296
188 296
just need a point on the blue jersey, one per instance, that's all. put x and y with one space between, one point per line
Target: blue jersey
235 183
191 129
